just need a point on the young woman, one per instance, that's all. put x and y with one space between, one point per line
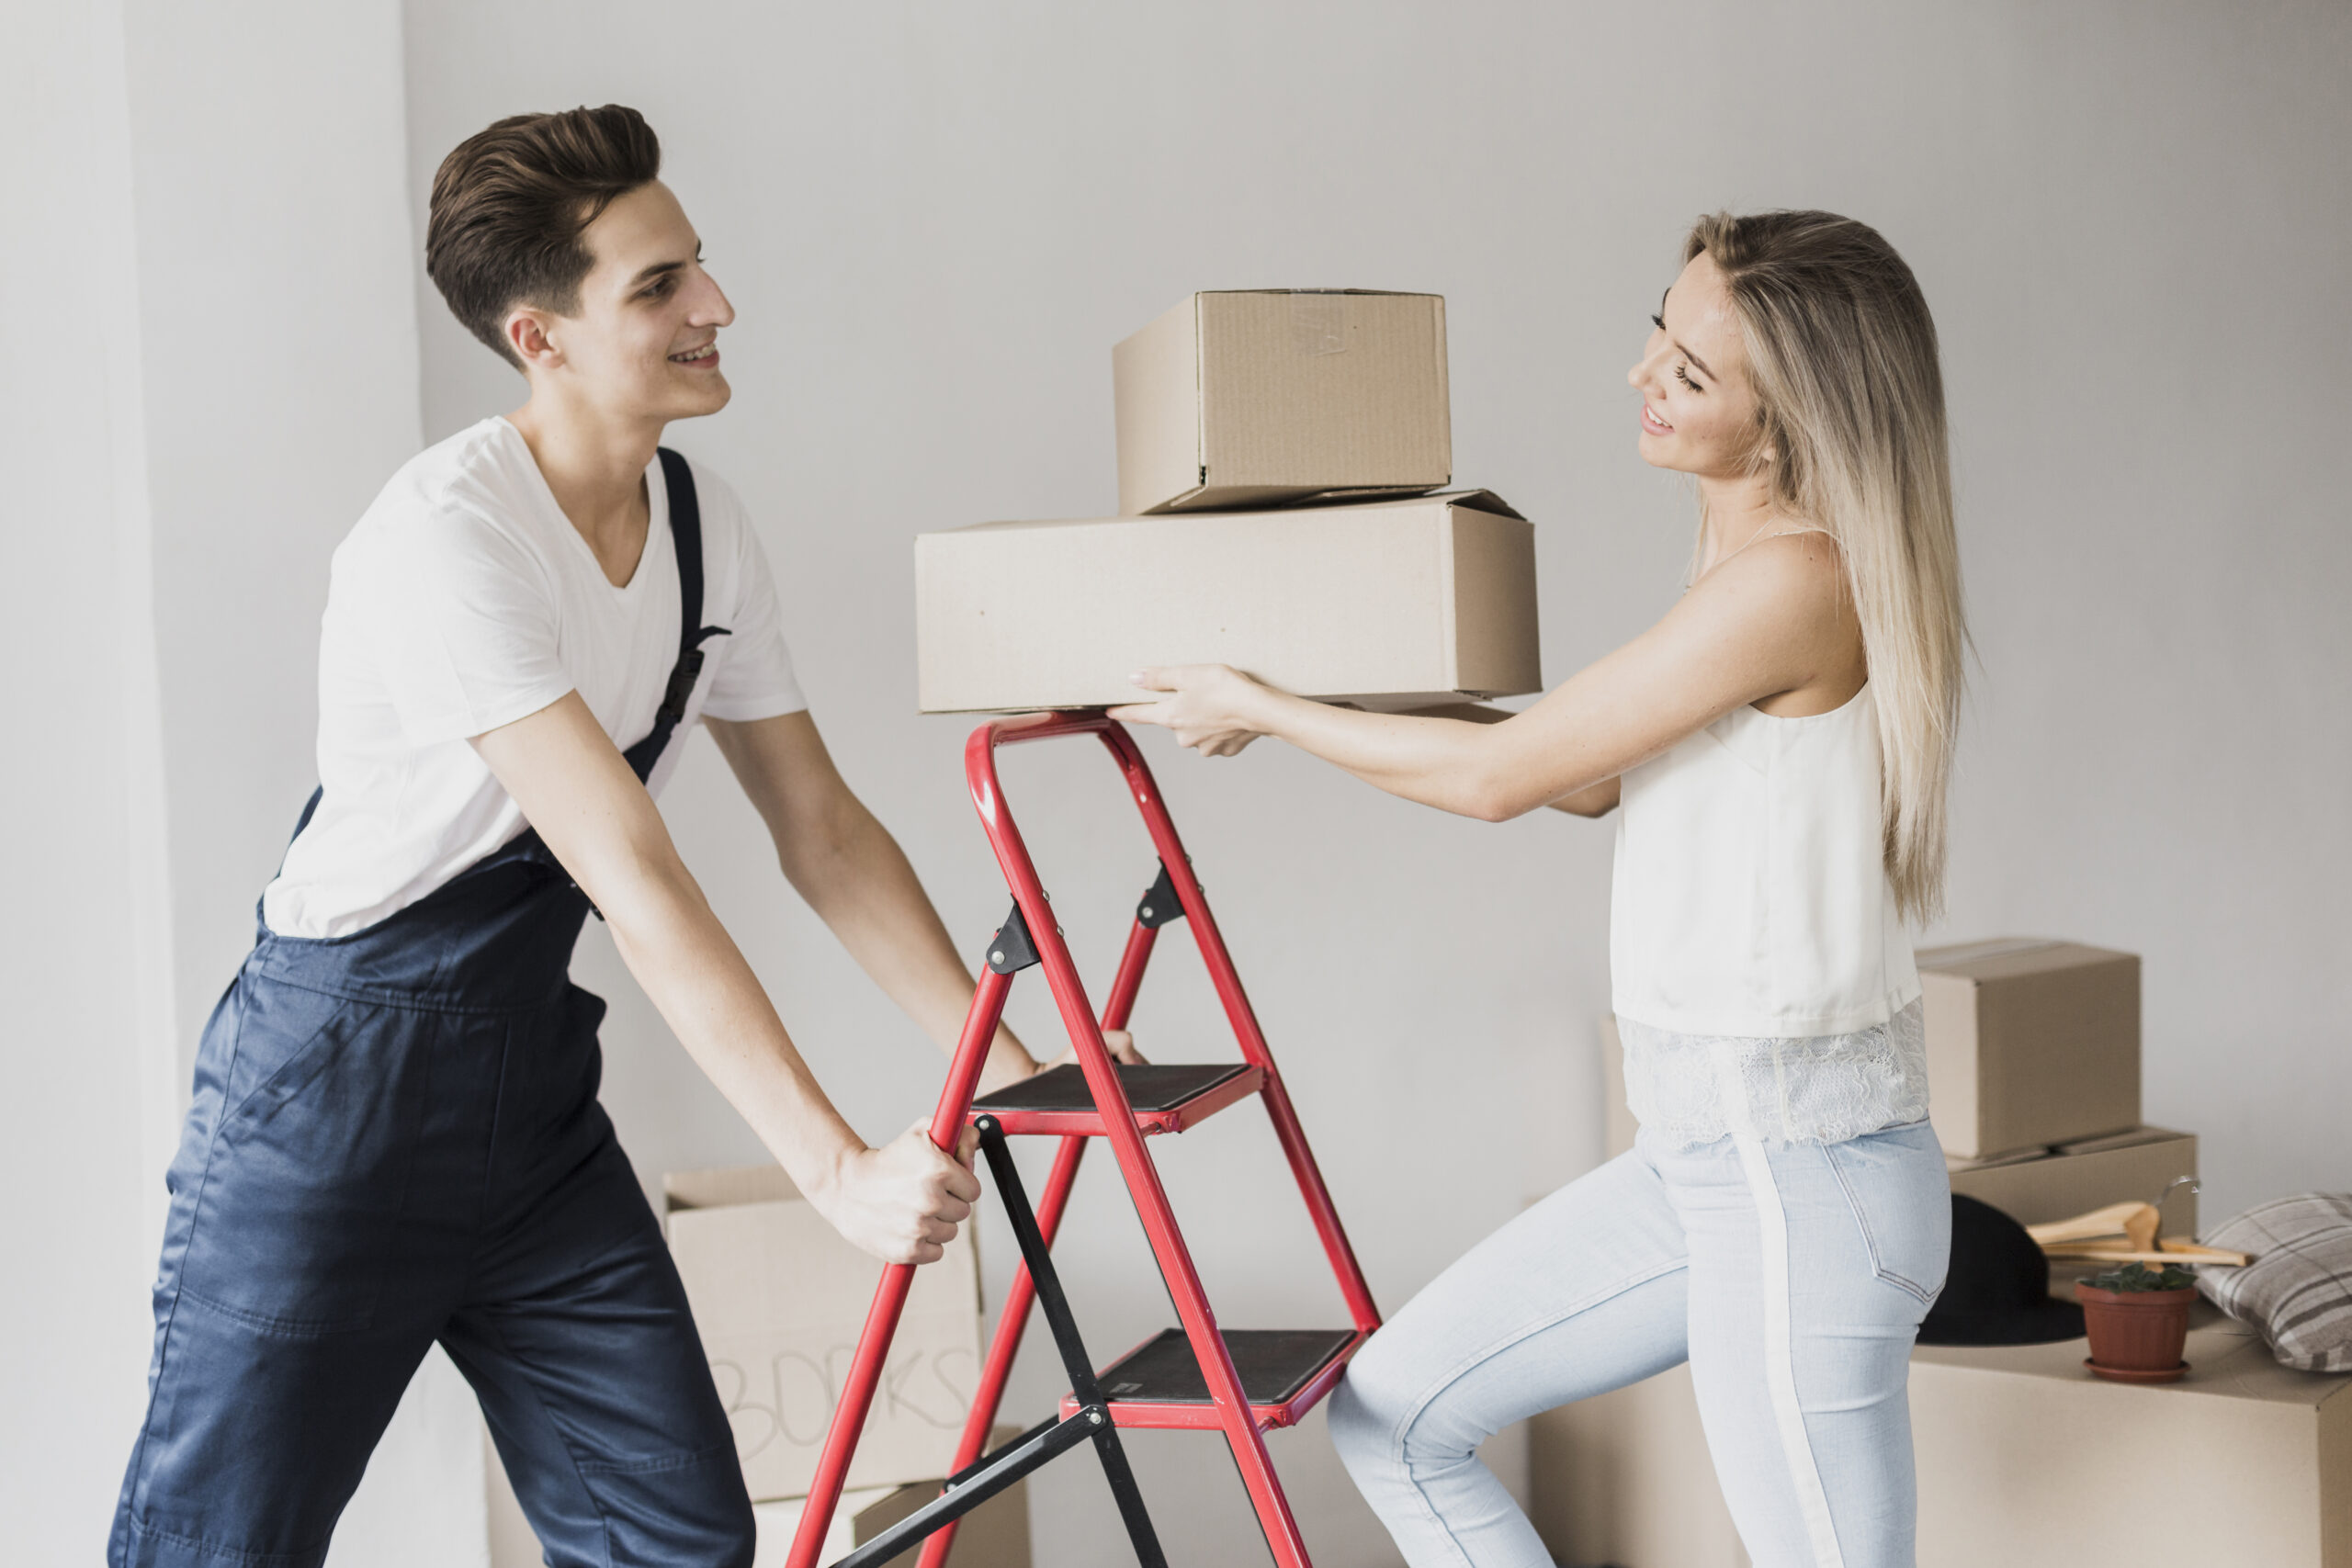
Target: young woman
1780 744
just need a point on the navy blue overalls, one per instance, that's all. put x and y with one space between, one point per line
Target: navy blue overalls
396 1140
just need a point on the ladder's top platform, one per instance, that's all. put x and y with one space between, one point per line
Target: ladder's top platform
1166 1098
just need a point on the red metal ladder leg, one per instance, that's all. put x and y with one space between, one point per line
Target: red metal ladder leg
891 1296
1345 1271
1012 1322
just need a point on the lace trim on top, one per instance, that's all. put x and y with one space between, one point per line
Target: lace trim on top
1693 1089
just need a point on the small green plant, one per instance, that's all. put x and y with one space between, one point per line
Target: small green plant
2140 1277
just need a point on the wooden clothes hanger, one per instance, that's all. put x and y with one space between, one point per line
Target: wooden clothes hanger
2125 1233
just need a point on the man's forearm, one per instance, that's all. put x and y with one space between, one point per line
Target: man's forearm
862 885
705 990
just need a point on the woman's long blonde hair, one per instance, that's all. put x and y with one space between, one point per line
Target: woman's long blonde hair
1841 352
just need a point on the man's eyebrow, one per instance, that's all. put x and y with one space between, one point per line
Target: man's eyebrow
658 268
1677 342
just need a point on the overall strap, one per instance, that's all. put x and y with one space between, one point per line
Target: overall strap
685 536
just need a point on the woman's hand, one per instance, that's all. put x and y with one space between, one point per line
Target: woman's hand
1213 707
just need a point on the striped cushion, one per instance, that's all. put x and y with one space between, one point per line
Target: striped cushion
2298 1290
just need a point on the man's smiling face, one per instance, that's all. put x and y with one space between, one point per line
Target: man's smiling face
644 339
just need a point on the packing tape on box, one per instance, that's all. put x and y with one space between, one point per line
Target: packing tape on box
1318 322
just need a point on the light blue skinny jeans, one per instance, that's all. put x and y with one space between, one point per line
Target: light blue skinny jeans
1793 1277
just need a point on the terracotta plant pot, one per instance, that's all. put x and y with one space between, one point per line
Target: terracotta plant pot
2136 1336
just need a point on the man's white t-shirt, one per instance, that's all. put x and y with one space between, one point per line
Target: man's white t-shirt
464 600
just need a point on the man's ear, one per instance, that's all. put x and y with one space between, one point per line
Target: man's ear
529 334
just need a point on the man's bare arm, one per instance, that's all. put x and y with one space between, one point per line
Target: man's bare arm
853 875
901 1202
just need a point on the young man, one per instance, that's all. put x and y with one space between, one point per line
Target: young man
395 1138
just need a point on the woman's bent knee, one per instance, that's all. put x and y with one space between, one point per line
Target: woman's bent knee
1364 1435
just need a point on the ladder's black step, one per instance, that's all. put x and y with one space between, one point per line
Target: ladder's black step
1152 1087
1274 1364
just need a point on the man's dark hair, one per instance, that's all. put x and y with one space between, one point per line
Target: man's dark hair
509 204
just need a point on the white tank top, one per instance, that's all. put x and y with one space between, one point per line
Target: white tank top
1750 896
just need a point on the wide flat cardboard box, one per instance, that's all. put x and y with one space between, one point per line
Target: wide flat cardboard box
994 1535
779 1298
2074 1178
2030 1043
1394 604
2023 1457
1248 397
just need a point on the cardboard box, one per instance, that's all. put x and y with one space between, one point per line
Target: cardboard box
779 1298
1624 1479
1244 398
2030 1043
1394 604
2074 1178
994 1535
2023 1457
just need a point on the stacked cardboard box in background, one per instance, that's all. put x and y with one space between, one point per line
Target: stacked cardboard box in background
2034 1075
2033 1070
1365 587
994 1535
779 1299
2033 1052
2023 1457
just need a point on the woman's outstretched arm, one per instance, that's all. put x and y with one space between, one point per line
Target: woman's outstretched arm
1770 621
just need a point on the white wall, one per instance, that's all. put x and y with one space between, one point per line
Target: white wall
212 365
85 948
280 366
935 220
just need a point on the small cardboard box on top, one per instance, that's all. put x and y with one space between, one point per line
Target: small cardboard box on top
779 1298
2030 1044
1250 397
1392 604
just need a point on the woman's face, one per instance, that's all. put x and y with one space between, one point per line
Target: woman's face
1698 413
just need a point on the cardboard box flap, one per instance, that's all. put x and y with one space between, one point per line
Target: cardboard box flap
684 1190
1365 500
1483 500
2004 958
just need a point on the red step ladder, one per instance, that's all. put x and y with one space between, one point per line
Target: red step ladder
1242 1383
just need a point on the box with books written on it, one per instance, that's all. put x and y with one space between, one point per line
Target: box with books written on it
779 1299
